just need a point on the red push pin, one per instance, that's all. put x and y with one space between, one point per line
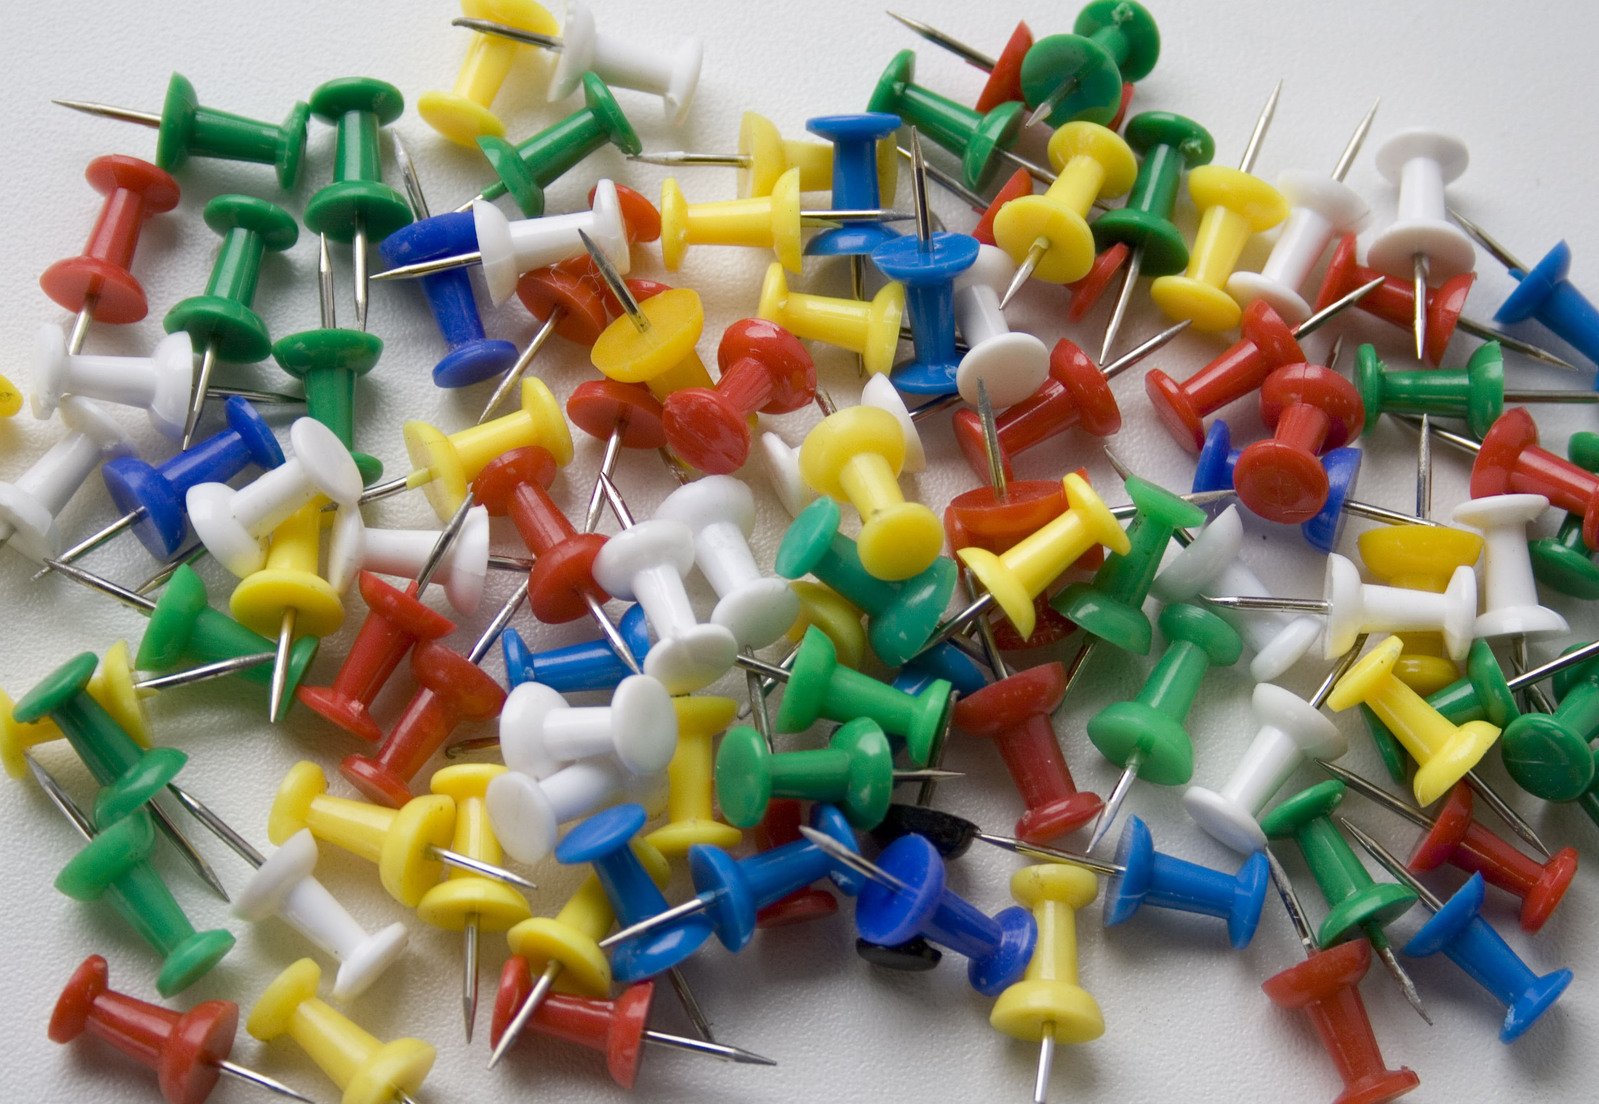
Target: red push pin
765 370
1015 713
1510 461
779 827
98 283
623 415
1004 84
1309 409
396 621
618 1029
188 1050
1394 298
451 688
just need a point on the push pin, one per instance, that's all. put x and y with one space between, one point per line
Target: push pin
1466 939
99 284
1234 206
221 322
869 329
462 568
1143 224
366 1070
1081 75
1509 592
1543 292
976 137
1327 986
858 142
1454 837
1141 875
1012 365
690 783
540 732
1421 558
1320 209
463 114
1563 561
185 129
30 505
1357 905
1004 84
1145 736
327 361
1547 753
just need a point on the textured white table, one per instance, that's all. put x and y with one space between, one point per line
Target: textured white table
1185 1016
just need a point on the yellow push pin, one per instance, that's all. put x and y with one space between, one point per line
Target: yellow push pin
287 594
445 464
1419 557
1234 206
770 221
1444 751
690 816
655 345
1048 1006
1047 235
466 901
10 398
365 1070
462 114
1017 576
869 329
855 456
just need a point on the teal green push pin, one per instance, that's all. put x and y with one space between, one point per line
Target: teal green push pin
529 167
1547 754
185 129
818 687
1564 561
1358 905
855 772
1110 607
1168 144
1145 736
976 138
358 206
221 322
328 361
1080 75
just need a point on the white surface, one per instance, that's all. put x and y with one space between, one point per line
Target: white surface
1185 1016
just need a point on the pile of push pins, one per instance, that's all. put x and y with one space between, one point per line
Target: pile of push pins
884 627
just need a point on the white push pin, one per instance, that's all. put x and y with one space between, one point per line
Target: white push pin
1352 607
461 570
158 384
1213 565
285 887
1321 209
1509 593
29 506
1422 242
234 524
646 563
527 813
540 733
1010 365
720 511
506 248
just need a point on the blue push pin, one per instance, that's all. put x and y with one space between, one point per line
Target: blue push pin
1544 293
473 357
1470 942
855 181
592 665
927 265
605 841
942 661
907 897
731 891
152 498
1214 472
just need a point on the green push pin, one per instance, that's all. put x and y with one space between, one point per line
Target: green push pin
1110 606
115 866
1547 754
358 206
328 361
818 687
221 322
1357 904
527 168
185 129
855 771
1080 75
975 137
1145 736
1564 561
1168 144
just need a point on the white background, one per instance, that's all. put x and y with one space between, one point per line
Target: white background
1185 1016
